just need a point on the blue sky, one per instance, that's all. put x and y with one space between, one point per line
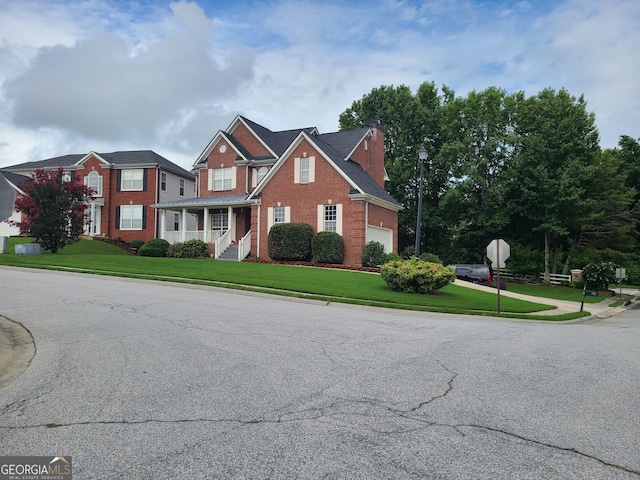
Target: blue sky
108 75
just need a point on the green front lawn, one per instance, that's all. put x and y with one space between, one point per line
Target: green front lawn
325 284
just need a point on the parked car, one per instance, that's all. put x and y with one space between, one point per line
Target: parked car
473 273
477 273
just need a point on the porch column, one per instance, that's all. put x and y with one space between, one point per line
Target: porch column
205 225
163 223
183 230
92 224
230 218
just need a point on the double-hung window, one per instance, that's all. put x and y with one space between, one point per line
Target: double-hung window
304 170
132 179
222 178
182 187
131 217
220 222
279 215
163 181
330 218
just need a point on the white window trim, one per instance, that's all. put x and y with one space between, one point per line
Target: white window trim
211 182
271 216
320 225
133 180
297 171
96 192
163 181
132 209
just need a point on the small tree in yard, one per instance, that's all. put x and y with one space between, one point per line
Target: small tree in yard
53 209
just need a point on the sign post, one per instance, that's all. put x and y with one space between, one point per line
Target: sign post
498 251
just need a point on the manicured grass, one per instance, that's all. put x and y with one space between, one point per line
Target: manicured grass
84 246
325 284
553 291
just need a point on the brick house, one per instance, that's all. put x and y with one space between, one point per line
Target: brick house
249 178
126 184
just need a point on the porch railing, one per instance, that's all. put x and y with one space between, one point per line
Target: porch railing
176 236
222 242
244 246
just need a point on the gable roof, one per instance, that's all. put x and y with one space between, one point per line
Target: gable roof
121 158
337 148
13 178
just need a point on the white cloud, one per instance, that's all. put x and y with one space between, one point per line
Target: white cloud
106 75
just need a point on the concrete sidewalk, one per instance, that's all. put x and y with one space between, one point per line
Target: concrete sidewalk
601 309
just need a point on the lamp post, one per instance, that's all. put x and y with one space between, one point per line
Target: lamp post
422 155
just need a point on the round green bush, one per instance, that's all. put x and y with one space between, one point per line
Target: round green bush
416 276
390 257
156 247
430 257
290 241
189 249
373 254
137 243
327 247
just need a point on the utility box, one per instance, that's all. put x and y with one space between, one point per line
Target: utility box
4 242
28 249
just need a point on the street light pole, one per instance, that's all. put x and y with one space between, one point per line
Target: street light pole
422 155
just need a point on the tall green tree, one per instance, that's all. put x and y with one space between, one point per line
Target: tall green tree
410 122
556 148
53 208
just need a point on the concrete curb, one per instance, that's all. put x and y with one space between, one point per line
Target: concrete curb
17 349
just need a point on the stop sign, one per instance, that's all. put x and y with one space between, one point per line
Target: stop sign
498 251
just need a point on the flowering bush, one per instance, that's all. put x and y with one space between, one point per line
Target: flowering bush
53 208
600 275
416 276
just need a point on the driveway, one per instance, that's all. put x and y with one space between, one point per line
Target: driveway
137 379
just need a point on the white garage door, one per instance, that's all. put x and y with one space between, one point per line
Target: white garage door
382 235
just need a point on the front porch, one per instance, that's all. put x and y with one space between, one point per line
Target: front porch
218 221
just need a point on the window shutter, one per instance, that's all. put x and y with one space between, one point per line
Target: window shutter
118 215
144 217
233 177
144 179
320 218
210 179
312 169
269 218
254 177
296 170
339 219
118 180
287 214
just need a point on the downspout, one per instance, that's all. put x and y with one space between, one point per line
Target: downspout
157 200
259 229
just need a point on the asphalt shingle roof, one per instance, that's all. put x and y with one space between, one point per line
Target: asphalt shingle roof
130 158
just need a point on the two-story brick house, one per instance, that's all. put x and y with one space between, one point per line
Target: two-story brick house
249 178
125 185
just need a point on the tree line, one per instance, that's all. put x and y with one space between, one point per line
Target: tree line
504 165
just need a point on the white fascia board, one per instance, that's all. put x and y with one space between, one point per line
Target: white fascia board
212 144
88 156
376 201
240 120
366 135
298 140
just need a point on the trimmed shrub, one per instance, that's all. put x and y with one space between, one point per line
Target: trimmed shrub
416 276
327 247
633 274
136 244
600 275
290 241
430 257
189 249
390 257
156 247
373 254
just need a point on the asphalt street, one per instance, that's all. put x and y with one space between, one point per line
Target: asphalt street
139 379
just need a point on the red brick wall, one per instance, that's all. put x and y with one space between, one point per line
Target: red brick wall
329 187
116 199
372 158
383 218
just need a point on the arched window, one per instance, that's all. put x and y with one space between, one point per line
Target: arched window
94 181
